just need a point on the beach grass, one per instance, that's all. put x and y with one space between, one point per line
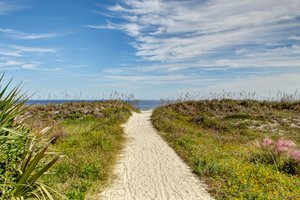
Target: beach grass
222 142
88 135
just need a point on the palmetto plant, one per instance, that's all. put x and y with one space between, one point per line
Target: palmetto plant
22 159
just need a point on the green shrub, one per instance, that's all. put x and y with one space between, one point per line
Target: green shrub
22 161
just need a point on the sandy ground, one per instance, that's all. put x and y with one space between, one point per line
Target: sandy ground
149 169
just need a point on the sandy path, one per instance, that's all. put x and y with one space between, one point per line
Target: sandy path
149 169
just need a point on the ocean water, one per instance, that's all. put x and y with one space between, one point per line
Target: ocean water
148 104
142 104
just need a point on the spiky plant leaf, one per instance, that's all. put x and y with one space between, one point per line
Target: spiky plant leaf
20 161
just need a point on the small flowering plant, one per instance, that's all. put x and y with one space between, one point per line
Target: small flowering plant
282 153
267 142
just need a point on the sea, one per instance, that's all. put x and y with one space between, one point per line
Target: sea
141 104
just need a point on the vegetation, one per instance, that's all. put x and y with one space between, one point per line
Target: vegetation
283 154
22 158
89 136
242 149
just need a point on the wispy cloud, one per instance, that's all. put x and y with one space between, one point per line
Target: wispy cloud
190 79
285 82
18 35
276 57
207 45
185 31
15 57
7 7
10 53
16 64
10 64
281 57
31 66
37 50
294 37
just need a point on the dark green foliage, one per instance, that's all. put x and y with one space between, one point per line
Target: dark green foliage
13 137
22 162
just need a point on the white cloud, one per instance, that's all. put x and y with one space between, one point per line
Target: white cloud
10 53
265 86
37 50
16 64
277 57
190 79
7 7
148 68
131 29
18 35
31 66
16 57
294 38
181 31
209 45
8 63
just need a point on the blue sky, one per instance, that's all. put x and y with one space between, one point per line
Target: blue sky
153 49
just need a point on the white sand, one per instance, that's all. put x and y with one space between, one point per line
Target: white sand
149 169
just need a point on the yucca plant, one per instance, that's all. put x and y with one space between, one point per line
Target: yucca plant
22 160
